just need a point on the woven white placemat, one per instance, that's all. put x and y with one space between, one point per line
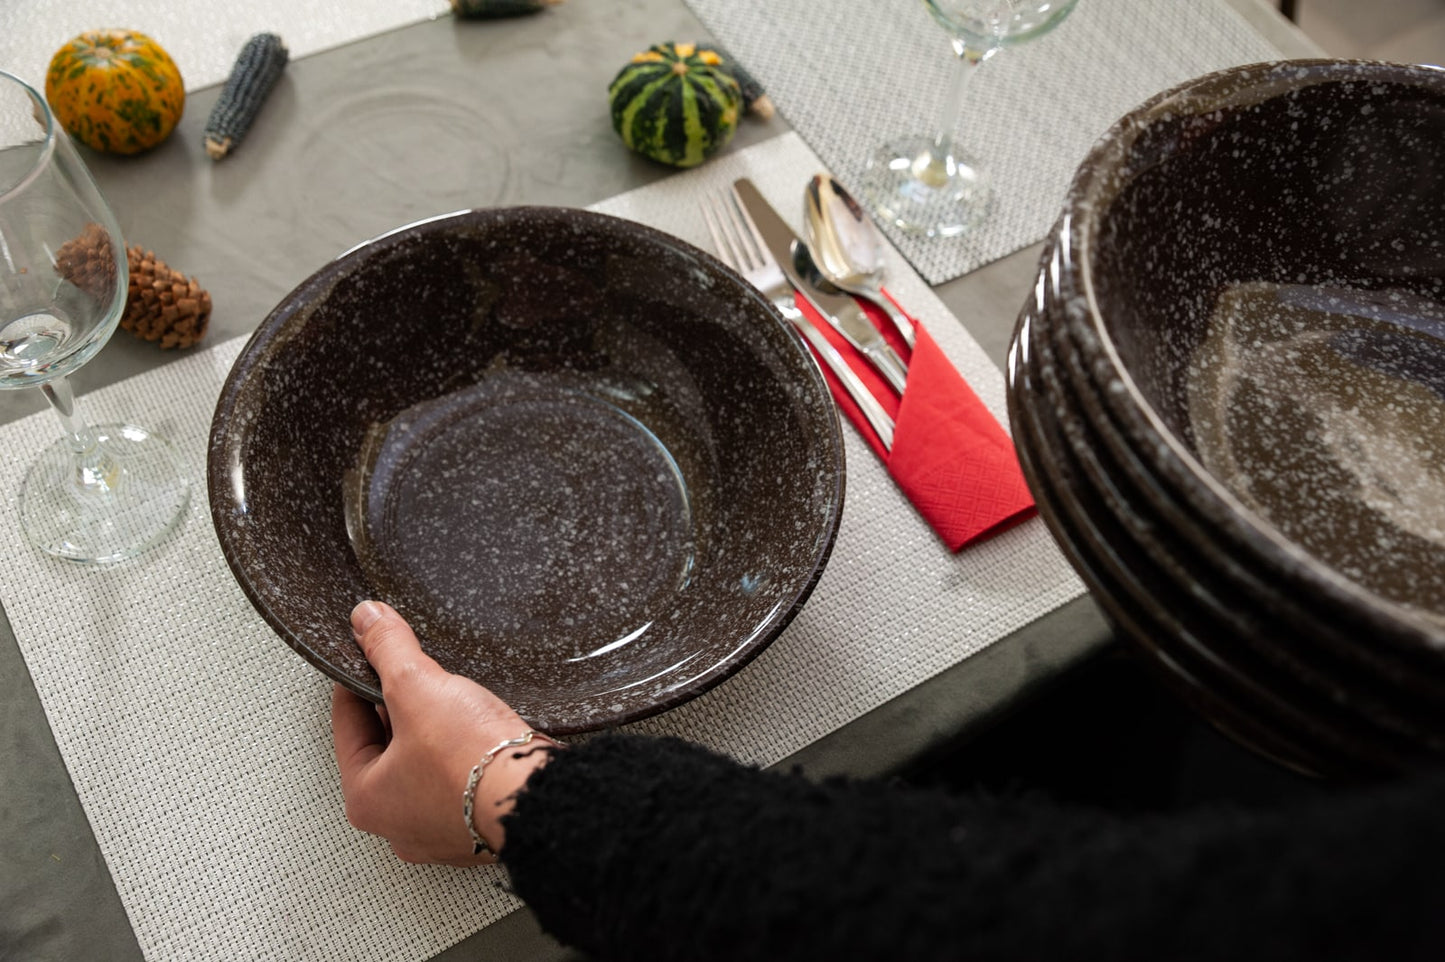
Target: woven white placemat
850 76
199 744
202 38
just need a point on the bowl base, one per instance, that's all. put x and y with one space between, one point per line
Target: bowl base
532 512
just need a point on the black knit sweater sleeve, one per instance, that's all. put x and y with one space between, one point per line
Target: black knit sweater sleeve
639 848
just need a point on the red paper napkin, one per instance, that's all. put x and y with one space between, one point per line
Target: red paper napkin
950 455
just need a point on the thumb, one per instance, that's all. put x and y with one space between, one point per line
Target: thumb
389 643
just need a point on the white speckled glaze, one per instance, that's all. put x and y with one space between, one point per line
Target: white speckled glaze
589 463
1227 393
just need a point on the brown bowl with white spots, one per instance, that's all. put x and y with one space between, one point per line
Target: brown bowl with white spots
1228 392
589 463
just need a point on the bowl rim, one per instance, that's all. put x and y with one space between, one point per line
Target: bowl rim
1177 621
1088 195
1280 726
280 320
1292 634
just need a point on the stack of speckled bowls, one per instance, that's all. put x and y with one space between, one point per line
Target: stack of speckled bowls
1228 395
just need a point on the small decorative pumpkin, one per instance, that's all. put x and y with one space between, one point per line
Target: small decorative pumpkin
115 90
675 104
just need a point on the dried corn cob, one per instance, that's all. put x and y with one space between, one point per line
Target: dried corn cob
492 9
256 71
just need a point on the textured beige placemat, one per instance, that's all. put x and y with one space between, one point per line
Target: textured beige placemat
202 38
199 743
850 75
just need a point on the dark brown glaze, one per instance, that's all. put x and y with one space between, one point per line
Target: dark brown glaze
1227 393
588 462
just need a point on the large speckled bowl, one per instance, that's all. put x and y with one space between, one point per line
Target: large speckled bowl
590 464
1228 392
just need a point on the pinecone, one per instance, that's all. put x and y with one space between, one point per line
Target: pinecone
162 304
87 263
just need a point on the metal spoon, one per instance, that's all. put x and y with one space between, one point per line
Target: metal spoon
847 247
852 323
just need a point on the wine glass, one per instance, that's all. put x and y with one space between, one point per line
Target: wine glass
100 493
924 184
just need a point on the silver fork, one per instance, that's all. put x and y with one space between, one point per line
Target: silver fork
739 245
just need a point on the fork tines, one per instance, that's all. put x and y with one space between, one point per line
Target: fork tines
723 213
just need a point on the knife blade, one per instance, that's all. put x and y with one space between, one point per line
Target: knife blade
840 311
877 418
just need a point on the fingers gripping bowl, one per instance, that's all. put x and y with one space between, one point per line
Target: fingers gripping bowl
588 462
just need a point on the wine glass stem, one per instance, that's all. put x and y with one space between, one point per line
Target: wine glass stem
95 471
937 166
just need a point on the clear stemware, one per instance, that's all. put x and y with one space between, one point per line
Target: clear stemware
101 493
924 183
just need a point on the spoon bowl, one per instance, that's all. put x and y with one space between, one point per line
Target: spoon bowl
846 246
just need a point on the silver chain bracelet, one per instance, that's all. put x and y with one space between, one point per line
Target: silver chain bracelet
469 797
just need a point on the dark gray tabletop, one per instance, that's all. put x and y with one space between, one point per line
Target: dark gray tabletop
349 146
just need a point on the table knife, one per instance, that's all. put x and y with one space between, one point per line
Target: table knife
840 311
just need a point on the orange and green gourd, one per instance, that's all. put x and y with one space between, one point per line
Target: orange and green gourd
675 104
115 90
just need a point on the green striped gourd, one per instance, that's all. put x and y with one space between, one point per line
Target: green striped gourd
675 104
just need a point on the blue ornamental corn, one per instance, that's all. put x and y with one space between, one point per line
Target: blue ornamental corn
493 9
256 71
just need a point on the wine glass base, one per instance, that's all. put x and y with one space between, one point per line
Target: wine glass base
909 186
144 500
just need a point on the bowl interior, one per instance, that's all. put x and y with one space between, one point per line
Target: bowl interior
585 460
1264 262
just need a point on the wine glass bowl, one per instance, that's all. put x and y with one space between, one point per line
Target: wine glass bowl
923 183
980 27
99 494
54 316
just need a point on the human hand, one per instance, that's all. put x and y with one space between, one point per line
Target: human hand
404 765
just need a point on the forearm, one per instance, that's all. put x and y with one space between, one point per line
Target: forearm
631 847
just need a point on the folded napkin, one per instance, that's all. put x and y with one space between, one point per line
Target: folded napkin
950 456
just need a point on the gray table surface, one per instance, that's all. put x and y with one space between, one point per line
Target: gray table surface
347 148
